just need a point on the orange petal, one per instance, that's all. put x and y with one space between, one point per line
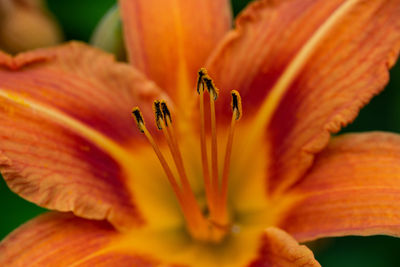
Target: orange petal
58 239
353 188
307 67
170 40
269 247
64 120
280 249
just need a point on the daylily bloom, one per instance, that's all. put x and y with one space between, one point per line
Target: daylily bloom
207 182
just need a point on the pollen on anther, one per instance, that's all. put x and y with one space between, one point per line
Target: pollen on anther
166 113
158 114
137 115
202 74
236 104
211 87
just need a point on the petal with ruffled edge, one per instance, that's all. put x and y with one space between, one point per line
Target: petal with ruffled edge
280 249
58 239
353 188
170 40
306 67
65 119
65 240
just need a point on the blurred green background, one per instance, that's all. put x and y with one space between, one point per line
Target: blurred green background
78 19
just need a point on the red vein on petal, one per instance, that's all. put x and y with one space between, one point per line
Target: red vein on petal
292 70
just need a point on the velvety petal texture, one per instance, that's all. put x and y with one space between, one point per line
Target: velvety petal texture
311 65
58 239
303 67
61 239
352 189
170 40
65 126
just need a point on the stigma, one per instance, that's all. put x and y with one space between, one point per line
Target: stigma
214 225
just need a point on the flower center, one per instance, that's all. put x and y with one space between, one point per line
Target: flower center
214 225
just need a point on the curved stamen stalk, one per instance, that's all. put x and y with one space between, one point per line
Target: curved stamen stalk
212 227
214 147
203 144
164 119
236 105
194 219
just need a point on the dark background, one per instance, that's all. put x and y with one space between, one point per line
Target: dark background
78 19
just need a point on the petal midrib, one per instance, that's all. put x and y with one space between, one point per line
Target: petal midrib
293 69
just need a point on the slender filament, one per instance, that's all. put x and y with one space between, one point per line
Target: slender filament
203 146
214 225
222 207
214 149
195 221
169 134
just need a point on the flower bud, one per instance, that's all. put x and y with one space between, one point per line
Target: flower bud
25 25
108 34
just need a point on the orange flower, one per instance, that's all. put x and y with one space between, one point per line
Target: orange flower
207 189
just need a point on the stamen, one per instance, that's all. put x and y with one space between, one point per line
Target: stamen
166 113
172 142
203 145
140 123
200 84
236 105
192 218
138 118
158 114
215 226
214 150
211 87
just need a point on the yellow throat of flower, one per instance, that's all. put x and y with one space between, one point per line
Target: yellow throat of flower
215 225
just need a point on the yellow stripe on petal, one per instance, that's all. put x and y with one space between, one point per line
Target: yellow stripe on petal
309 68
270 104
108 145
290 73
65 130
